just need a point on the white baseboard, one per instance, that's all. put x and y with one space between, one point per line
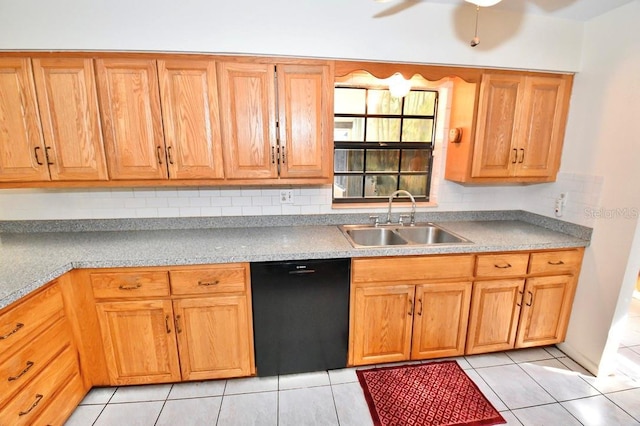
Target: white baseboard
587 364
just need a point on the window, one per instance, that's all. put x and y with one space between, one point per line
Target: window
382 143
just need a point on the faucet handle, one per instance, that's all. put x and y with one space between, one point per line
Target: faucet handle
403 216
375 219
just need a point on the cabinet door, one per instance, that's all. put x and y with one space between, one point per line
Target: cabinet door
70 121
247 107
381 324
191 119
542 130
130 105
495 309
495 153
139 342
214 337
546 309
440 320
304 102
21 145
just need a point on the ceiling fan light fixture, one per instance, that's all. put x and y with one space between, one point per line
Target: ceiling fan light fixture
484 3
398 86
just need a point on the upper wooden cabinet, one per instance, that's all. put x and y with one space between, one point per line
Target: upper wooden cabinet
276 120
189 94
70 120
516 133
22 149
130 104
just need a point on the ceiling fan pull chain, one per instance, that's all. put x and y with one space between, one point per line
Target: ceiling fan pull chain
476 40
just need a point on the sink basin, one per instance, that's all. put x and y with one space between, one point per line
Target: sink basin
375 237
422 234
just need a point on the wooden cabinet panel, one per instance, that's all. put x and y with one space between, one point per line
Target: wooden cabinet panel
440 320
70 119
214 337
227 278
542 127
411 268
22 156
130 106
247 94
139 341
191 119
498 112
495 310
556 262
545 310
383 316
27 405
304 92
502 265
119 285
63 404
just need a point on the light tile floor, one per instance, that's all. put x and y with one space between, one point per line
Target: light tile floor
538 386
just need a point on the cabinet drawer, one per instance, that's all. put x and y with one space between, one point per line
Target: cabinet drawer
122 285
18 324
212 279
64 403
502 265
26 406
564 261
411 268
18 369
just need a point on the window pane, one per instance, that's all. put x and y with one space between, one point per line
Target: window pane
415 160
420 103
349 101
347 186
348 129
417 130
381 102
383 160
348 160
383 130
380 185
416 185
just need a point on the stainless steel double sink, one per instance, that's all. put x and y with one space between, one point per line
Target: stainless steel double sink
420 234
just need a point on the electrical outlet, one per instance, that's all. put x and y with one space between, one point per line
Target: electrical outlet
561 203
286 196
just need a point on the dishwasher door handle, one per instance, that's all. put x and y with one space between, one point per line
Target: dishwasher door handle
302 271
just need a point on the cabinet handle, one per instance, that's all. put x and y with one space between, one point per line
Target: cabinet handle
522 157
273 154
410 307
130 287
34 405
530 298
507 266
46 155
208 283
15 330
159 154
170 153
284 154
166 323
515 156
35 153
519 302
22 373
420 310
558 263
178 329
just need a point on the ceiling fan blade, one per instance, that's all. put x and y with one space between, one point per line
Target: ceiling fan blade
404 5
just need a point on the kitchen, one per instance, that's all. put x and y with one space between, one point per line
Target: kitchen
598 160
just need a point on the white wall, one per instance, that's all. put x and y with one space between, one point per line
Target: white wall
602 140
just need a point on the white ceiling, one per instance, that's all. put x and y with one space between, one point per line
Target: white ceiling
579 10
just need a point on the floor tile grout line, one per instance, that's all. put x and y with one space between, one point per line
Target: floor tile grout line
489 386
335 406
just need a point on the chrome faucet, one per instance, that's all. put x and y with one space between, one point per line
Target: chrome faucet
413 207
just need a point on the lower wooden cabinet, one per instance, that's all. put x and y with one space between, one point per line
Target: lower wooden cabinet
201 329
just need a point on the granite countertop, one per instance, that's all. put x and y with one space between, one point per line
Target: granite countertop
29 260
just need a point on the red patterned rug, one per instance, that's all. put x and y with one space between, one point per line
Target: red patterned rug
437 393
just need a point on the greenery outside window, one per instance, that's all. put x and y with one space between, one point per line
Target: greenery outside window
382 143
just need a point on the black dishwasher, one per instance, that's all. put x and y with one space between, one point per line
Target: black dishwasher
300 315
